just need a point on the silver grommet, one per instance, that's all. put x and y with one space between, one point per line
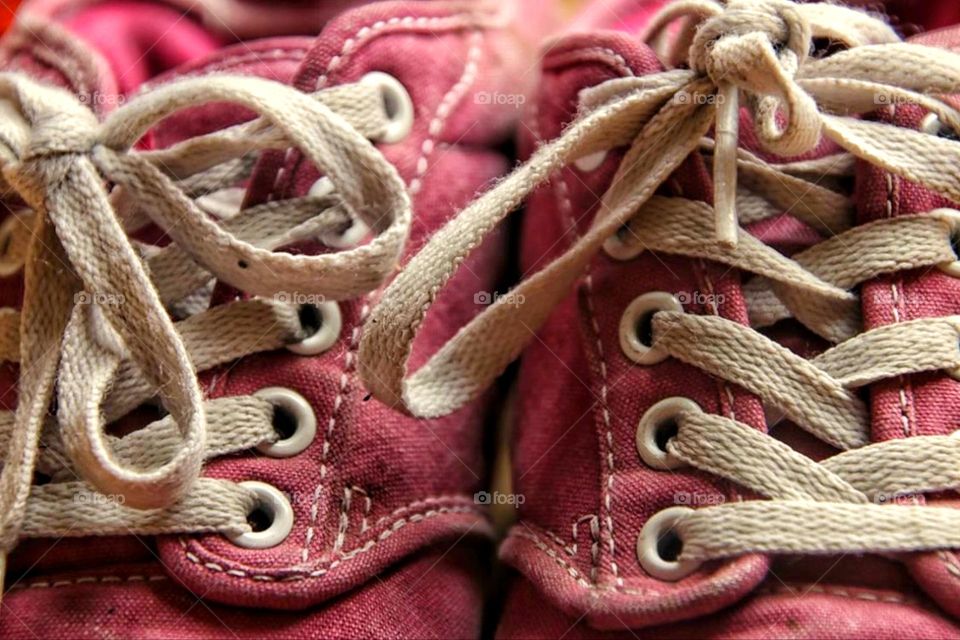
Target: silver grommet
930 124
396 102
952 216
352 235
590 162
274 505
328 322
638 314
659 546
618 249
296 407
653 431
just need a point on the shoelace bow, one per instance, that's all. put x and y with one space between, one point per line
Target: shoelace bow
94 326
755 53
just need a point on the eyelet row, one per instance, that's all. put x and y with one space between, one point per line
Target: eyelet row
294 418
659 545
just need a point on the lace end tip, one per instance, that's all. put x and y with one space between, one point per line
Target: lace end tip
726 229
727 237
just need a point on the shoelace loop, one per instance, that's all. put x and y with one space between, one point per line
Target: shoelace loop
94 322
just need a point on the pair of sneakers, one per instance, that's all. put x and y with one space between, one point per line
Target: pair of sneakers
252 321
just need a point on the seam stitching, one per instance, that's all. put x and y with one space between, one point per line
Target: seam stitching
605 55
450 100
46 584
301 574
562 195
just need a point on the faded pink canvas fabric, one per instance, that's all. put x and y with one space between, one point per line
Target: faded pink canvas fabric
387 537
588 493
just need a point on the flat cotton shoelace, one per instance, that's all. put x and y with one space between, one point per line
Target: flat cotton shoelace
94 328
756 54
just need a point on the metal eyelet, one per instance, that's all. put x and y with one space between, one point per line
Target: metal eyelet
634 320
931 124
397 103
656 427
274 504
618 249
952 216
590 162
349 237
327 319
298 410
659 546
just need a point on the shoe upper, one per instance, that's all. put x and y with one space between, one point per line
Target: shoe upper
609 253
370 487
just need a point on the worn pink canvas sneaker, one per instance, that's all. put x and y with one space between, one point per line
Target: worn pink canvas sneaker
176 203
738 324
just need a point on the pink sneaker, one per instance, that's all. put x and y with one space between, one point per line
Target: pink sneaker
739 365
288 503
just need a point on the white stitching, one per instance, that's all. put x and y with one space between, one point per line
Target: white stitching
46 584
573 548
714 308
290 576
950 563
562 194
605 55
895 302
370 32
532 537
450 100
348 363
869 596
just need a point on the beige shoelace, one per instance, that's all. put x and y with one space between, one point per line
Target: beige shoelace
94 328
755 53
